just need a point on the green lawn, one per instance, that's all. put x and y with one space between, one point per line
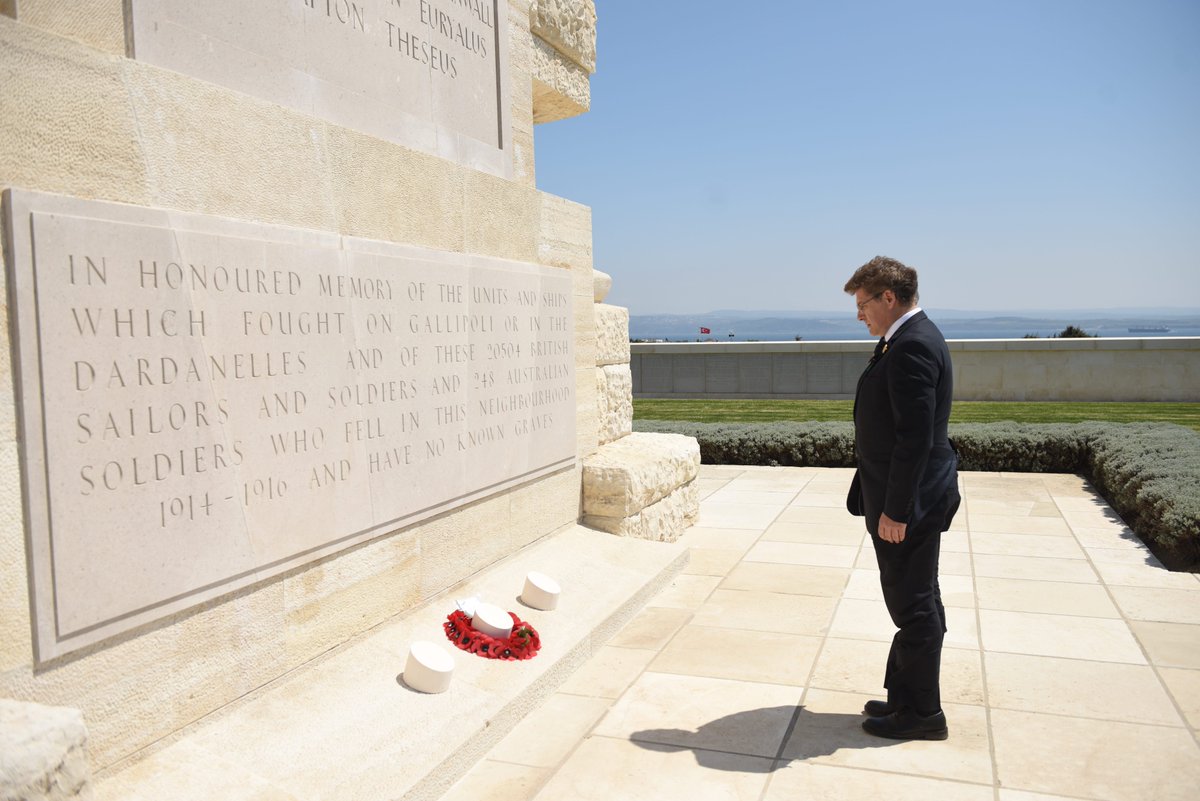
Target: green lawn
762 411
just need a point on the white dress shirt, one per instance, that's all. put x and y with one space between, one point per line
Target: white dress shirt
896 325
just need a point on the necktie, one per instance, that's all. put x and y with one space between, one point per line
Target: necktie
880 347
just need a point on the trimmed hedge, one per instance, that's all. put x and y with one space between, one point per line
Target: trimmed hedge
1148 472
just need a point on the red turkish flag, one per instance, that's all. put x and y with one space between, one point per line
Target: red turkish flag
704 330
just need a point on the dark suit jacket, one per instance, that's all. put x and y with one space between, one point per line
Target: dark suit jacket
906 465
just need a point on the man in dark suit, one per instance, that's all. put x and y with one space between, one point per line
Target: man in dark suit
906 486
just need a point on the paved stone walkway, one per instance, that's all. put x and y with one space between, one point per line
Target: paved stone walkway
1071 668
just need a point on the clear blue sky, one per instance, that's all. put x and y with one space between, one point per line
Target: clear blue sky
1021 154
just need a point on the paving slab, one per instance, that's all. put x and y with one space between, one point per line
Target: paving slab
1118 761
605 768
1071 668
740 654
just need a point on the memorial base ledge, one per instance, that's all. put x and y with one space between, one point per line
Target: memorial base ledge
345 726
662 521
625 476
43 753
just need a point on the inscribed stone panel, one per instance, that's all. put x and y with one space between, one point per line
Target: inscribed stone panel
754 373
655 373
853 365
206 402
428 74
687 373
721 373
825 373
788 373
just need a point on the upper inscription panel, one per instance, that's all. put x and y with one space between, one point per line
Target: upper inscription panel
428 74
206 403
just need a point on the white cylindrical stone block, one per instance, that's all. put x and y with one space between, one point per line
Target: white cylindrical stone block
601 284
492 621
430 667
541 591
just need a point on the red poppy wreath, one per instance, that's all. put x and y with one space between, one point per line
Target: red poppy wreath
523 643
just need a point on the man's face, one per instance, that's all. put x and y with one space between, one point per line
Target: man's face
875 310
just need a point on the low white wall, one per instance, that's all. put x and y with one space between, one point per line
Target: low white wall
1092 369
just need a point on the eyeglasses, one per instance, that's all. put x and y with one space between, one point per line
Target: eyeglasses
863 305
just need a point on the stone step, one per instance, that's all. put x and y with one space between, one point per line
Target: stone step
624 477
642 485
43 753
345 726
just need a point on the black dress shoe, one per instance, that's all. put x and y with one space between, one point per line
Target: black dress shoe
878 709
905 724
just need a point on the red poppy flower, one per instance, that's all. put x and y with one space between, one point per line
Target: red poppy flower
523 643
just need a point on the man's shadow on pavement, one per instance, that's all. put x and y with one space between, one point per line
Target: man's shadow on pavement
760 733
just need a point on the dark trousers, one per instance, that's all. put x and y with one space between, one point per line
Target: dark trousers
908 573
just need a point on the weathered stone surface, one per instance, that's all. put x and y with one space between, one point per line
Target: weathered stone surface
614 390
98 23
43 753
79 137
520 46
569 26
612 335
626 476
602 283
330 61
663 521
15 648
565 235
561 88
563 56
564 240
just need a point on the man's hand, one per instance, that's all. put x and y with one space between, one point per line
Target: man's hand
890 530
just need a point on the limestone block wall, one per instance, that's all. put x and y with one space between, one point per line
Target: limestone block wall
634 485
563 57
1103 369
614 384
569 26
43 753
1093 369
643 486
614 391
80 118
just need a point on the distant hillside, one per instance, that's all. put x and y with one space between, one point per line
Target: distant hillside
956 324
1182 312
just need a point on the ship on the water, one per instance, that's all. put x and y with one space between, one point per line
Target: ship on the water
1149 329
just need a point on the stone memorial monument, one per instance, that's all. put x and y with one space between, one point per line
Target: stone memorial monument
296 347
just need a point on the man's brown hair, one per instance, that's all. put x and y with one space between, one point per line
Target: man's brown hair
882 273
